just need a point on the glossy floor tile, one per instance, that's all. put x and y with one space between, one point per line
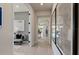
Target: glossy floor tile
41 48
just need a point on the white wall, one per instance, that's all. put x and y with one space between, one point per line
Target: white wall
32 20
20 7
50 31
43 20
43 13
35 28
6 30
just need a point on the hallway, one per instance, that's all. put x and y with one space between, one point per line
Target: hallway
28 21
42 48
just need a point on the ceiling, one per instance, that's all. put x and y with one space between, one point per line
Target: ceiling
44 7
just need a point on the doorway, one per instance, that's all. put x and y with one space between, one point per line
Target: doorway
21 30
43 30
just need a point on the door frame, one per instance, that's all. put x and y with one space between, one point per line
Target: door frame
75 29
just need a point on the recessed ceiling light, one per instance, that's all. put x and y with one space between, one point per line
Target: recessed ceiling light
17 6
41 3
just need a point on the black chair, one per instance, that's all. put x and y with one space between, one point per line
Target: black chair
18 39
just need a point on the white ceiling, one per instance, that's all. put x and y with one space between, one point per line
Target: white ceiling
44 7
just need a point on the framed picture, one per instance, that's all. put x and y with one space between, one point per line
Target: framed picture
0 16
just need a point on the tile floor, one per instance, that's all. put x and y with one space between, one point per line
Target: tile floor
42 48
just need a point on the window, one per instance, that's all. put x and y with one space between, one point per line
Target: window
63 30
62 27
